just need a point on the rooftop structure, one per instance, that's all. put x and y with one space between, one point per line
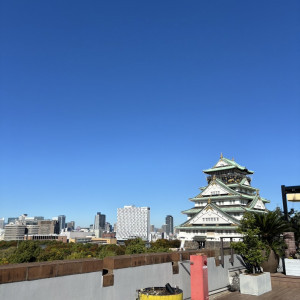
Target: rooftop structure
222 203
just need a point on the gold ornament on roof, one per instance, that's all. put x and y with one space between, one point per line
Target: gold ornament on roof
209 201
221 155
257 192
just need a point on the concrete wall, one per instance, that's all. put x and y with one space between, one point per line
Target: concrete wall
118 278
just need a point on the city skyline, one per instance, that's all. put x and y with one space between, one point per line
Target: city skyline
110 104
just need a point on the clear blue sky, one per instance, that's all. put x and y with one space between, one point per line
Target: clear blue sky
113 103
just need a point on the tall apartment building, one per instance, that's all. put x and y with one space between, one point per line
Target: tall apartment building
169 225
133 222
61 222
48 227
14 232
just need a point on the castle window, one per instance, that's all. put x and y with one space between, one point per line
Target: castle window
215 193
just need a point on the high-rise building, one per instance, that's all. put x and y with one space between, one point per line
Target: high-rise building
222 203
70 225
99 222
133 222
108 227
2 223
163 228
61 222
169 225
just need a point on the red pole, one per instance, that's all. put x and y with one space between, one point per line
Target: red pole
199 278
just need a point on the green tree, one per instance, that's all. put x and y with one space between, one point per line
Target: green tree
161 245
295 226
261 233
135 246
251 249
27 251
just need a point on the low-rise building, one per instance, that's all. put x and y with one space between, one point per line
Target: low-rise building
14 232
46 237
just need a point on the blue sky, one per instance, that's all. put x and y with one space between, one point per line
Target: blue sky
105 104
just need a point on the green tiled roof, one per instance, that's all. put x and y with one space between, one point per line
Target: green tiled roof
264 200
192 210
195 210
216 197
256 210
216 208
222 184
249 197
233 209
231 165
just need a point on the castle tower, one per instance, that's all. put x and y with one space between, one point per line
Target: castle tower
222 203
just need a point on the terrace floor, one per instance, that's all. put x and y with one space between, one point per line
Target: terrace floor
283 288
277 293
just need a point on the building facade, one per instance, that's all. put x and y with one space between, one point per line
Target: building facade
32 229
12 220
221 204
2 223
48 227
169 225
99 222
14 232
71 225
61 222
133 222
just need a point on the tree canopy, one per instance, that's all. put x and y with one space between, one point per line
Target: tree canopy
34 251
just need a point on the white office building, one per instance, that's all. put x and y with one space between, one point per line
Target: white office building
133 222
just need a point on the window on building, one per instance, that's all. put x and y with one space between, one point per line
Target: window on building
215 193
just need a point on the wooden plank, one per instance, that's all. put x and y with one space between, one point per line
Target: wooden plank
278 293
